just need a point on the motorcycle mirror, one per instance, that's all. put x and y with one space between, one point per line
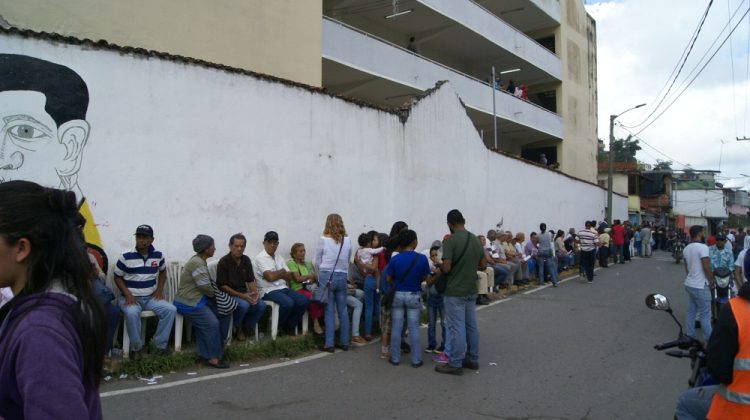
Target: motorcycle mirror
658 302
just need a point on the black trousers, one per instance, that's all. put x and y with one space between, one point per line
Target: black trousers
603 256
587 264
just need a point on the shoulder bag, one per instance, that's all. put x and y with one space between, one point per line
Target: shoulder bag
225 305
388 296
320 294
442 282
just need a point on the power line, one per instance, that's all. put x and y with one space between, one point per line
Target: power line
731 60
685 54
640 139
698 74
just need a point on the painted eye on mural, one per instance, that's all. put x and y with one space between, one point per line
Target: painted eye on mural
27 135
26 132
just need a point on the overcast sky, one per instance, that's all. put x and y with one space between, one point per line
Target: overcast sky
639 44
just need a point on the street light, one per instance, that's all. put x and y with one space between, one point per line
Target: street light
612 119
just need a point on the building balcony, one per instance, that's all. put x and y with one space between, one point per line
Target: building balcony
362 65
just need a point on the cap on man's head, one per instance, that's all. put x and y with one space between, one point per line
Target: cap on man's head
271 236
721 236
144 230
201 243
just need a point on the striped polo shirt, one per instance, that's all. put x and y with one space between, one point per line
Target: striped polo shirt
587 239
140 273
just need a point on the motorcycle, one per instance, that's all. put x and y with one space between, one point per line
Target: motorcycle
689 347
722 292
677 249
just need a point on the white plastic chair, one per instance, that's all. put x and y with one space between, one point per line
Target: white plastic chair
174 271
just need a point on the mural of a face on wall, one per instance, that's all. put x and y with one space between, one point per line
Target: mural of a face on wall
43 127
43 118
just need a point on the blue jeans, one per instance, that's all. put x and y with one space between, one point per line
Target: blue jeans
111 311
292 306
164 310
407 304
355 302
699 306
547 262
531 263
501 273
435 309
462 341
619 254
695 403
247 315
371 302
209 342
336 300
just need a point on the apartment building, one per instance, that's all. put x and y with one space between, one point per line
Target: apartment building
381 51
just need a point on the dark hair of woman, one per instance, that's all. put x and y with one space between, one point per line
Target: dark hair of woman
48 219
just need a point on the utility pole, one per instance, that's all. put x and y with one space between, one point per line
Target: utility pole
611 159
494 114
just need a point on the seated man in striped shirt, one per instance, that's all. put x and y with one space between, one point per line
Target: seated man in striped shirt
140 275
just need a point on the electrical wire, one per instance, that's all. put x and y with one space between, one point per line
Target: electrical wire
640 139
685 54
697 74
731 60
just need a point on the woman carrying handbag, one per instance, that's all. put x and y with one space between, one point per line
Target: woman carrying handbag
332 259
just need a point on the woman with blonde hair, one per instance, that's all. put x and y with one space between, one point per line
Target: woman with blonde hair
332 259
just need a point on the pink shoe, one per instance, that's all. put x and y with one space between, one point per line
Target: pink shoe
440 358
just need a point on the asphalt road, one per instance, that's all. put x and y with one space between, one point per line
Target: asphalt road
579 351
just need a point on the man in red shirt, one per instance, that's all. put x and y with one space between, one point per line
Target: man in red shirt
618 240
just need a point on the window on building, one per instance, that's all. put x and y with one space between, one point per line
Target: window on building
547 42
633 186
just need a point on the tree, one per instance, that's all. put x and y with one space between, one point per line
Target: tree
625 149
663 165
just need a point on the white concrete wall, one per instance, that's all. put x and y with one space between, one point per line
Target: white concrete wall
194 150
700 203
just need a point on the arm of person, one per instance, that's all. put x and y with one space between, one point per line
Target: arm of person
203 281
707 271
482 264
159 292
723 346
120 283
44 395
273 275
738 276
431 278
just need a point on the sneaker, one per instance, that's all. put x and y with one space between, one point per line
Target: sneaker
417 365
470 365
393 362
448 369
430 350
358 341
440 358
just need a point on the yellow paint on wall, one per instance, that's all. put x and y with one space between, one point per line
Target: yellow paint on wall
282 38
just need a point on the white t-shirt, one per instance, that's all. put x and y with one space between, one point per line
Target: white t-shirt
740 263
264 262
6 295
693 254
328 250
365 254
